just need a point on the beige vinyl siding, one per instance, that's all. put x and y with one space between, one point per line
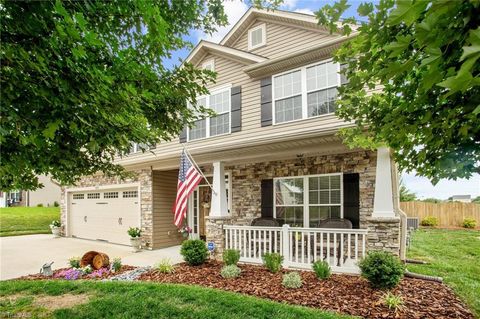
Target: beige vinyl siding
230 72
164 187
283 40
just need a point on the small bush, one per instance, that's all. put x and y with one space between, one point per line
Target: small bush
429 221
382 269
321 269
165 266
469 223
393 301
230 271
194 252
292 280
116 264
231 256
134 232
39 205
56 204
74 262
273 261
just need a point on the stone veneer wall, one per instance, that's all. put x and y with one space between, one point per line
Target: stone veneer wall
246 192
144 177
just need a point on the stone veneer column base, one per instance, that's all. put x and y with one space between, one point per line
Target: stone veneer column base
384 234
214 233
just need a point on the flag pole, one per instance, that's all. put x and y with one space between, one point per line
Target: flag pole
198 168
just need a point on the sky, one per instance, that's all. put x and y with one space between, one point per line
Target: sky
419 185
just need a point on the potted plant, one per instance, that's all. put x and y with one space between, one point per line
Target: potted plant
185 231
135 233
55 227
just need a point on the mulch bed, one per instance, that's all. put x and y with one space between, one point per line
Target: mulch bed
347 294
123 269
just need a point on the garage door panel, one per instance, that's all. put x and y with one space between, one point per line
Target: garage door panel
102 210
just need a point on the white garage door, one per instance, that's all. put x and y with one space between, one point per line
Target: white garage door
104 215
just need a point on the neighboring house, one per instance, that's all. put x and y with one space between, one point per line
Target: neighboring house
460 198
271 151
46 196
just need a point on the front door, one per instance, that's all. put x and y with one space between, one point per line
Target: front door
199 207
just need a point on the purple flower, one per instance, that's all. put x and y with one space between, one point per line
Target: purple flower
69 274
99 273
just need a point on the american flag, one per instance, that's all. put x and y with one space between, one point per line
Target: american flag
188 178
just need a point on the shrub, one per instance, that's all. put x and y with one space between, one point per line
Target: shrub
165 266
116 264
393 301
194 252
273 261
87 270
56 204
74 262
39 205
292 280
382 269
134 232
429 221
231 256
321 269
469 223
230 271
55 223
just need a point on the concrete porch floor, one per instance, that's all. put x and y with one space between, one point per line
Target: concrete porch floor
23 255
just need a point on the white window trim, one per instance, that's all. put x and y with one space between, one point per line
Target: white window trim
262 26
304 91
216 90
306 192
207 63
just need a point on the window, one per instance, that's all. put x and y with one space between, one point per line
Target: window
306 201
219 102
93 195
130 194
110 195
137 147
209 65
307 92
78 196
257 37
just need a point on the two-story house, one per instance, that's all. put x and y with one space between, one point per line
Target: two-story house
271 151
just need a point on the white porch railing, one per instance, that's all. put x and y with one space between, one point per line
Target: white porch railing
300 247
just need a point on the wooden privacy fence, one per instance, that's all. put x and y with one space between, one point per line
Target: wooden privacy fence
449 214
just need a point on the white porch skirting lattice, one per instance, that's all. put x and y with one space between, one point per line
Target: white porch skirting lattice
300 247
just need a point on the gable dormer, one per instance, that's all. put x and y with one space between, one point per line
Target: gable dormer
277 33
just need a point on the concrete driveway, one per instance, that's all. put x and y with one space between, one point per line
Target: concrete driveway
23 255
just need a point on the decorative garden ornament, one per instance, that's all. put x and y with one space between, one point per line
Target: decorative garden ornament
46 269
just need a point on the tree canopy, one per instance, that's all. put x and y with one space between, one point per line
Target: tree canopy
414 82
82 80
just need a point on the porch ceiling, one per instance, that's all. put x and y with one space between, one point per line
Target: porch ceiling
259 153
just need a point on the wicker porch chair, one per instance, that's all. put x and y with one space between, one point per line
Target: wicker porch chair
262 222
337 223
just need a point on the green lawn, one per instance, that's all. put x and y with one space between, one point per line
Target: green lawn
27 220
453 255
143 300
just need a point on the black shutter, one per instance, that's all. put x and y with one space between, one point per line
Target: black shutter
351 198
236 116
267 198
266 101
183 135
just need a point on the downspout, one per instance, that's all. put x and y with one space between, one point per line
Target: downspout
403 216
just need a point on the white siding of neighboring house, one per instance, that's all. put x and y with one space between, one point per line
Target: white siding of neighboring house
46 196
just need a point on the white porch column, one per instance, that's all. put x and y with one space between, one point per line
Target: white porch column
218 207
383 199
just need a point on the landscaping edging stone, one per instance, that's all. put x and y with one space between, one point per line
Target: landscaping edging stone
130 275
